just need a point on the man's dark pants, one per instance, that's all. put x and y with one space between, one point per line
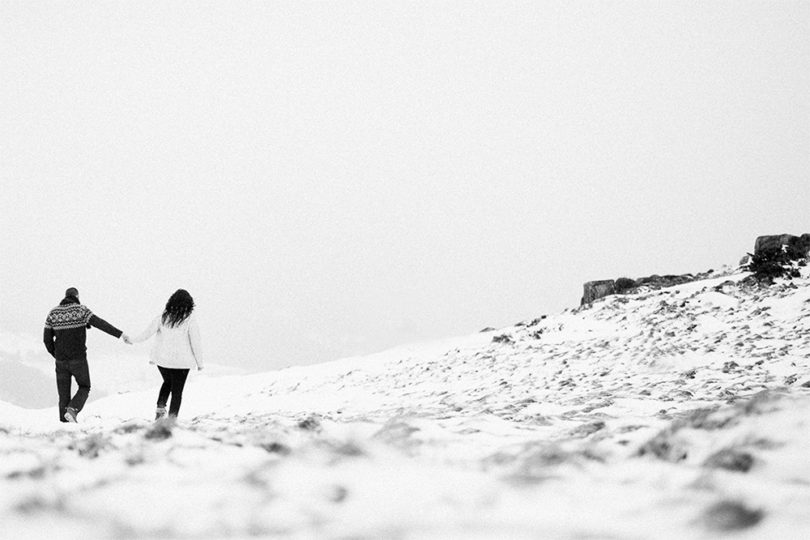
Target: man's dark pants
65 370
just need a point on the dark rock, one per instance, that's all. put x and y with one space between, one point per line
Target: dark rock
730 366
595 290
276 448
663 447
487 329
624 284
730 460
310 423
720 287
774 242
648 279
503 338
659 282
731 516
589 428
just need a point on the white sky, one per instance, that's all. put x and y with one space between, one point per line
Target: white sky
330 178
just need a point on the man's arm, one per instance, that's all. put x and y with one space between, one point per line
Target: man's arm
47 337
104 326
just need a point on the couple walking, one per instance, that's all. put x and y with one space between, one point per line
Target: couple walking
176 349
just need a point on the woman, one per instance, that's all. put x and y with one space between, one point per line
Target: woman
177 349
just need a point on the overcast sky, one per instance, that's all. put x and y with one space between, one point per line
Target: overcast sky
331 178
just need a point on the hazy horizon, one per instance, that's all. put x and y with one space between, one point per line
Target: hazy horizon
332 179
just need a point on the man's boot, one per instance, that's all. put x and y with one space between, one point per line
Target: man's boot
71 414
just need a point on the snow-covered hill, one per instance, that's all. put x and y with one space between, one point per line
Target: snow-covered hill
681 413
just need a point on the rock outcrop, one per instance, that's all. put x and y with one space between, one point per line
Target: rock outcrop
595 290
659 282
773 242
799 247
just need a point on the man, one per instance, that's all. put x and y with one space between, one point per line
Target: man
64 336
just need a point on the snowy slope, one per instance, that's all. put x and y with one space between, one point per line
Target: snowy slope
681 413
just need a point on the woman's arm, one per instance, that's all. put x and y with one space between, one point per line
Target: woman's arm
194 339
149 332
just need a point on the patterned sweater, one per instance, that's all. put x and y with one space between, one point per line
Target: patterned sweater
66 330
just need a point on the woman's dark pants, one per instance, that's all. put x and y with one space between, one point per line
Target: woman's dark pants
173 382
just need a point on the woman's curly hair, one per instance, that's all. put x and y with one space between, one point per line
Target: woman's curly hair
178 308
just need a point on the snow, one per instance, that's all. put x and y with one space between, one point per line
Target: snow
680 413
